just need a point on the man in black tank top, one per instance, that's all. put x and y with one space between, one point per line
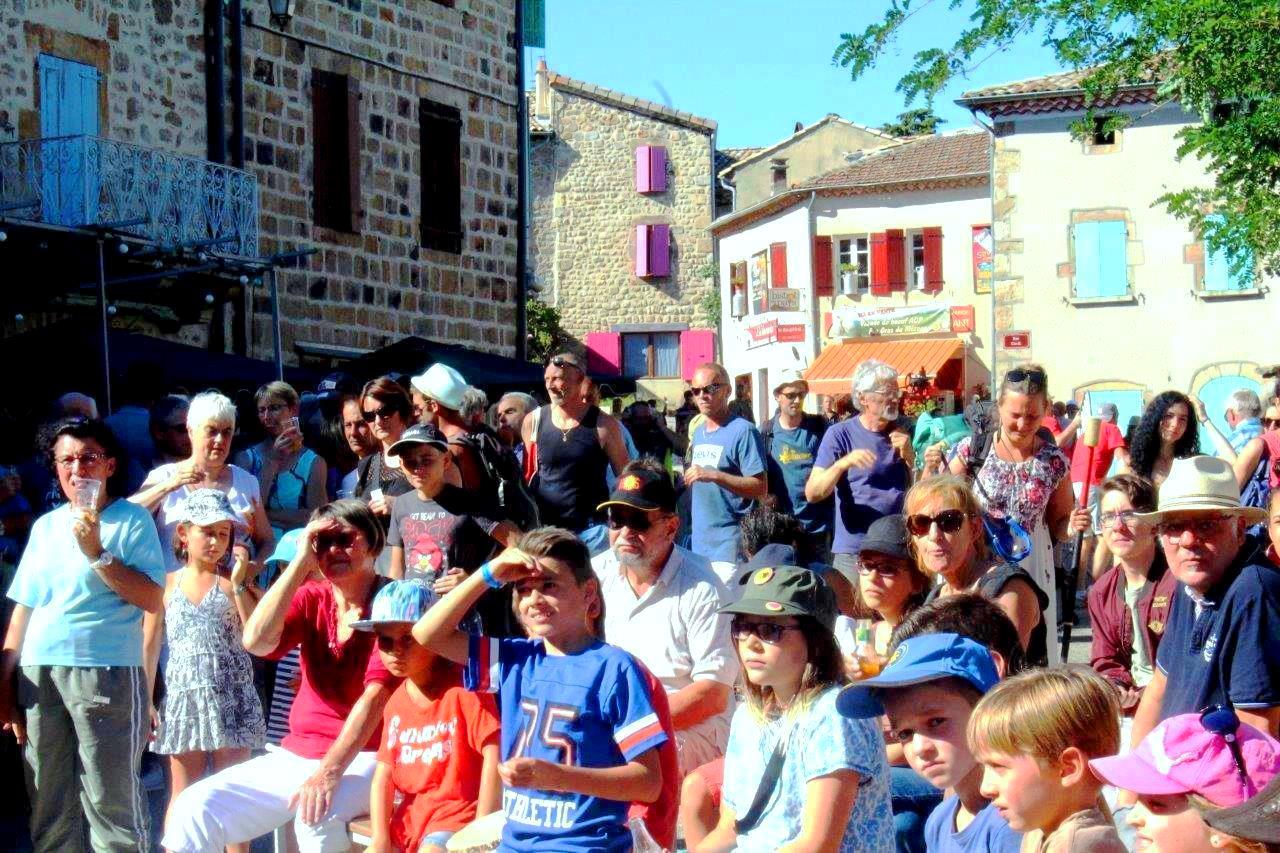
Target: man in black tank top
572 443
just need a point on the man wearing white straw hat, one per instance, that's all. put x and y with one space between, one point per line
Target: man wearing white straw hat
1222 643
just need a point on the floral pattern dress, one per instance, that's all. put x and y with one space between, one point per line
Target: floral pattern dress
210 702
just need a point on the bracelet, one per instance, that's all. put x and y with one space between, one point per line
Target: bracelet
486 572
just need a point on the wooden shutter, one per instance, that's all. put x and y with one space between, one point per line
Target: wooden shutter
697 347
651 169
933 281
335 145
880 264
778 265
653 251
823 278
1218 277
441 140
896 258
604 353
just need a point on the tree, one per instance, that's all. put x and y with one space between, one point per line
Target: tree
1219 59
546 337
918 122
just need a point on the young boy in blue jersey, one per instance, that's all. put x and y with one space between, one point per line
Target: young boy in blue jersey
580 736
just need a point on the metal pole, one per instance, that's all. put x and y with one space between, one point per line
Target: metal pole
102 310
991 191
522 191
275 324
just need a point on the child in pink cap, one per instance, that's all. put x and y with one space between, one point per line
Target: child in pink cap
1188 764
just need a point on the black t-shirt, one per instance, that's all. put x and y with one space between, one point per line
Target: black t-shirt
992 584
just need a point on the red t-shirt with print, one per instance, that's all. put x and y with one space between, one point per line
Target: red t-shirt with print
434 751
1110 439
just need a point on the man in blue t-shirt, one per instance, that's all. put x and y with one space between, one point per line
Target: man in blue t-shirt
726 471
866 461
792 439
1222 643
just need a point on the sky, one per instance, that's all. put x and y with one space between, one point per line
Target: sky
758 67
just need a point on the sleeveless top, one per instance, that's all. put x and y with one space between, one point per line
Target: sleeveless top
570 481
290 488
992 584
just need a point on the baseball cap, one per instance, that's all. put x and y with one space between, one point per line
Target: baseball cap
336 383
419 434
1181 756
1257 818
207 506
785 591
398 602
286 547
643 490
443 384
918 660
790 376
887 535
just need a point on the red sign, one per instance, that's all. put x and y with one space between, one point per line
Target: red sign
771 331
1017 340
791 333
962 319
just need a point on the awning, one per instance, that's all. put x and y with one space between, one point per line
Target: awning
833 369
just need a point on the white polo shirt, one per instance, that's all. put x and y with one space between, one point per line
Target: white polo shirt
675 631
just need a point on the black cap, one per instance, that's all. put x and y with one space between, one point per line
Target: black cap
644 490
419 434
887 535
785 591
337 383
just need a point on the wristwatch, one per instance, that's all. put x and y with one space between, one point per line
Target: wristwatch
104 560
239 589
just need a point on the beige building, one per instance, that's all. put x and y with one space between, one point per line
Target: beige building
381 136
760 173
622 196
1093 277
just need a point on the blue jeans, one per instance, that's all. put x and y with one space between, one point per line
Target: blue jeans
913 798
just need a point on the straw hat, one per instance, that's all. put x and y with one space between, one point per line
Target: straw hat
1201 484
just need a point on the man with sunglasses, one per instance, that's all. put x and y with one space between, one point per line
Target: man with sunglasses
1222 644
726 470
660 605
792 439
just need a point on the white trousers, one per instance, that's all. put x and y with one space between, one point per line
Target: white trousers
252 798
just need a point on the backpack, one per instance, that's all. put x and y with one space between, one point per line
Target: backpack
505 479
815 424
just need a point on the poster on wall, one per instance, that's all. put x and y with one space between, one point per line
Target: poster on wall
983 258
912 320
758 280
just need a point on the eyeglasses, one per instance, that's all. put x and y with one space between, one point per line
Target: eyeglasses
882 568
325 541
384 413
882 396
767 632
1201 527
707 390
1035 380
1127 517
85 460
1222 721
948 521
636 520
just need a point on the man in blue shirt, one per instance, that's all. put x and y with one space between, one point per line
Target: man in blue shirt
792 439
726 471
1222 643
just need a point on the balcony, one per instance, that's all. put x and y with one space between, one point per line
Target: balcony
168 199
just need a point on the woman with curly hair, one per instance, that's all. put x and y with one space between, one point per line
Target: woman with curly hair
1166 432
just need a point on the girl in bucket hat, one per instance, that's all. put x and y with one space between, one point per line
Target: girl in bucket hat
788 745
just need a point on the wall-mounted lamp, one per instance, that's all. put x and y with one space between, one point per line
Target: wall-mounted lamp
281 12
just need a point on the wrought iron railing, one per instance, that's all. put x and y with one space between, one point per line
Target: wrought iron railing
169 199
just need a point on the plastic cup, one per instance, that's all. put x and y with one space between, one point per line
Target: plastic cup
376 494
84 494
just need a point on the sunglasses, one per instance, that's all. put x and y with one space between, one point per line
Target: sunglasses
707 390
1222 721
767 632
385 413
883 569
637 521
325 541
1033 379
948 521
564 362
792 395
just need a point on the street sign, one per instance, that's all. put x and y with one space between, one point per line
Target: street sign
1017 340
962 319
782 299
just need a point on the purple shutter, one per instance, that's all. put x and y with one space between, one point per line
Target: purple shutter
651 169
642 250
653 250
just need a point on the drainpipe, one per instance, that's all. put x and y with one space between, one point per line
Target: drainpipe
730 189
214 83
815 317
522 193
237 84
991 191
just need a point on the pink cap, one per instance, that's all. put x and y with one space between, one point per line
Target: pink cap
1181 757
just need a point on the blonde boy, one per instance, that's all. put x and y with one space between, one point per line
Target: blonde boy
1034 735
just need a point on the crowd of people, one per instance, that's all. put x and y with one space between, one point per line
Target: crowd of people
548 626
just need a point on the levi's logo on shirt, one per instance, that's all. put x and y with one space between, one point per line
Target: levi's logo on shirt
707 455
422 744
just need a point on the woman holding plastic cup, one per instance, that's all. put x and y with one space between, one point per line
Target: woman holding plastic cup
292 477
211 423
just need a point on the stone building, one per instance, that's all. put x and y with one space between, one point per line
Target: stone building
621 200
381 135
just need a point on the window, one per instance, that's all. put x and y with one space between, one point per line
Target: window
1101 135
335 148
1101 259
779 168
915 272
441 135
854 254
651 354
1218 275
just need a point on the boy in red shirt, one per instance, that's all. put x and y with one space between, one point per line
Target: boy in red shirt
439 748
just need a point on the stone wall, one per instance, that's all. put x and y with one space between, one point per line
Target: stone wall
361 289
813 154
585 208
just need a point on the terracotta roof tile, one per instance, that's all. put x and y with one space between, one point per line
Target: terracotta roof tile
1066 81
921 159
629 102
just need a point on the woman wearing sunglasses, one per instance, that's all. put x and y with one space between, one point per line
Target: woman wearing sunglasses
947 537
321 776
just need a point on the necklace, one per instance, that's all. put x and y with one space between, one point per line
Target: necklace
564 431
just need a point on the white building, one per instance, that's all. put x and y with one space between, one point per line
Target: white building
887 257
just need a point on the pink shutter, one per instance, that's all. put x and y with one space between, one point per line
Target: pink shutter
604 353
653 250
644 170
697 347
651 169
642 250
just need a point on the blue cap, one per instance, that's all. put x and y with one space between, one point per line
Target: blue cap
917 660
286 547
398 602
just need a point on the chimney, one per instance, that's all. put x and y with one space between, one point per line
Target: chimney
542 92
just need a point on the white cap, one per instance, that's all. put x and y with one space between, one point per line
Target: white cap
443 384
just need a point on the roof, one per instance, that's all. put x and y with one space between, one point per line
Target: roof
735 155
832 371
629 102
829 118
1062 91
960 158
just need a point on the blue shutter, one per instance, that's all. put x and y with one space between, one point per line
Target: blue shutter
666 354
1101 258
68 107
1085 237
1218 277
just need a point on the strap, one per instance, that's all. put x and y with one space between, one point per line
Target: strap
768 782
